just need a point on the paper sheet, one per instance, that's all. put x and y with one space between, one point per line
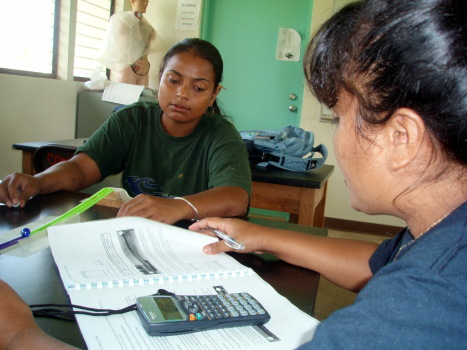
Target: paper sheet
115 199
188 14
122 93
288 45
109 263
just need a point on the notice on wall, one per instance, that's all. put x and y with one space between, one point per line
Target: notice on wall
288 45
188 14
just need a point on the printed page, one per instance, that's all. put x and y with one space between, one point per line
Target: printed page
131 250
288 328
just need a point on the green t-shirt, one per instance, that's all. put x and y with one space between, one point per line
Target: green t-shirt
132 140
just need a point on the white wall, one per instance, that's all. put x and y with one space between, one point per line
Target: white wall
35 109
337 204
161 14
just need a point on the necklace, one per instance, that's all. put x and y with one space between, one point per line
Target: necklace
428 229
436 223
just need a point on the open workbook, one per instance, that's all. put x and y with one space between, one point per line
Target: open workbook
109 263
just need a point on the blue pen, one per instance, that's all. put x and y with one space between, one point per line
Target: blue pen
83 206
25 232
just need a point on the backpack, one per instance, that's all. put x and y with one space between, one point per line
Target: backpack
284 148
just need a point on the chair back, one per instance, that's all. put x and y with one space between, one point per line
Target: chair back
50 154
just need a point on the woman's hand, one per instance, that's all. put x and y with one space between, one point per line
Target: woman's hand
16 189
166 210
247 233
75 174
207 203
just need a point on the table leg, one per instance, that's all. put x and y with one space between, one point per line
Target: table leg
312 204
305 205
28 165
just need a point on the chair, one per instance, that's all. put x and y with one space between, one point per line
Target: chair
50 154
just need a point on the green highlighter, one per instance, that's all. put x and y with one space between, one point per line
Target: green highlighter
80 208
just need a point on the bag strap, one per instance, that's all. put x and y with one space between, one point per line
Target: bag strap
292 163
284 148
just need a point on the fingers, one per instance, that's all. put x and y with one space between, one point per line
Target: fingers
125 208
5 195
17 189
206 225
216 223
216 248
150 207
135 207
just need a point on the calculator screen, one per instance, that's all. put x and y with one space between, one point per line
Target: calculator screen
168 309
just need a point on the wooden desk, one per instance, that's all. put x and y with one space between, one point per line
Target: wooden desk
28 149
37 281
301 194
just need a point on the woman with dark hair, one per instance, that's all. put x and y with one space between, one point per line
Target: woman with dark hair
394 73
180 159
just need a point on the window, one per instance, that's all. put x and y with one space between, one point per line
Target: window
92 20
29 38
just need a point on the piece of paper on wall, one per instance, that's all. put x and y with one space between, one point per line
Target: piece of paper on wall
288 45
188 14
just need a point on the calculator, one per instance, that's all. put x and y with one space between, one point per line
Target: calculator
170 314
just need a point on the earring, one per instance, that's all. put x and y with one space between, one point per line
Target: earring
210 111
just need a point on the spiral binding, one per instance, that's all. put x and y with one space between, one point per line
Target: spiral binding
162 279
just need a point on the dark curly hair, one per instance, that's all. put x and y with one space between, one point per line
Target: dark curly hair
393 54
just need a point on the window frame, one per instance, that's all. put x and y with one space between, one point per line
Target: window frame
55 50
55 43
107 71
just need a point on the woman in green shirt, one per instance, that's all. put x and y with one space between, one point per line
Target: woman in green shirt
180 159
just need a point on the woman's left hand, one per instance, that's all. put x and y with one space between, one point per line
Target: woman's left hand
160 209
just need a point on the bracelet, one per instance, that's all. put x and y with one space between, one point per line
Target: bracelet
191 205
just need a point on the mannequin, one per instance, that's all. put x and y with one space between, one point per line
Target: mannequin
129 40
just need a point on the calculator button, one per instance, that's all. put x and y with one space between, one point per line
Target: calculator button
223 306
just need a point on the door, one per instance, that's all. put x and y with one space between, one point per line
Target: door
258 87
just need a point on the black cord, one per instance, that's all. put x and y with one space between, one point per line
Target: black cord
56 311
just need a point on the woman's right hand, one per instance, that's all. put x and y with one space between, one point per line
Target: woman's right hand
75 174
16 189
249 234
